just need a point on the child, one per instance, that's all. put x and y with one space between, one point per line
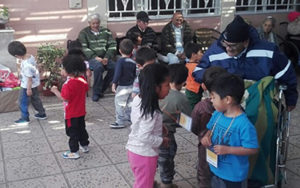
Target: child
231 137
144 57
146 129
122 84
193 90
30 80
200 117
174 103
73 93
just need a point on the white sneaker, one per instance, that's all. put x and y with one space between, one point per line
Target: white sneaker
84 149
71 155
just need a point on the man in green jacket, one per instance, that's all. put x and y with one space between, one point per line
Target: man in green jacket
99 48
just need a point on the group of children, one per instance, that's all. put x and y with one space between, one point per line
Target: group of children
148 96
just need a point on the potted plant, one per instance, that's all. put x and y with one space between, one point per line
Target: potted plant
4 16
48 58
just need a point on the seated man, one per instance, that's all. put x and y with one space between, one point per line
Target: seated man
99 47
176 34
147 34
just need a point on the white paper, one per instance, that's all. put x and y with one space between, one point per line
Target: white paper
185 121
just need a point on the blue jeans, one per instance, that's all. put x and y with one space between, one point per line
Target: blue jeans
100 84
217 182
35 101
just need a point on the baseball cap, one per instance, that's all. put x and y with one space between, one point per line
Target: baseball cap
143 16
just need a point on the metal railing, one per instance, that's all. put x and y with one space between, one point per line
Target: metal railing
266 6
120 10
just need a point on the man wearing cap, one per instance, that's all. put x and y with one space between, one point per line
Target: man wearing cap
99 48
241 52
141 29
176 34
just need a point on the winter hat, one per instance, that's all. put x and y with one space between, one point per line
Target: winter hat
143 16
293 15
237 31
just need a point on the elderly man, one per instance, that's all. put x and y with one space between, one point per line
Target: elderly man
99 48
175 35
141 29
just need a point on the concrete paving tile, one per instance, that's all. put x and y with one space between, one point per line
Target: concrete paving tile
94 158
1 153
183 184
183 145
59 142
292 181
2 185
104 177
110 136
8 118
56 181
295 139
293 166
294 128
2 178
116 152
23 148
97 124
193 182
186 164
293 152
31 167
54 128
192 138
181 130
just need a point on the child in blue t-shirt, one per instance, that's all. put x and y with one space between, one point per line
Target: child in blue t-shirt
231 137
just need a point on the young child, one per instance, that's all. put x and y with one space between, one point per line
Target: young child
144 56
193 90
201 115
231 137
174 103
122 84
30 80
146 129
73 93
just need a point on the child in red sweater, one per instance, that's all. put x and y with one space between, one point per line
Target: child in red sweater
73 94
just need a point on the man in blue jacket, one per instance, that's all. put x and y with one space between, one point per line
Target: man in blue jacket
240 51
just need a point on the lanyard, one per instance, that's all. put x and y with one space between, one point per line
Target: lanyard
225 131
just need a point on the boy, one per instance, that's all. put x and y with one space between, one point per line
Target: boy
193 90
30 80
73 94
124 75
200 117
174 103
231 137
144 57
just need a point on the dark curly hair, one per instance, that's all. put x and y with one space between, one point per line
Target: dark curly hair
16 48
74 65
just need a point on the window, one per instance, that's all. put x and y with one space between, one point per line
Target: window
158 9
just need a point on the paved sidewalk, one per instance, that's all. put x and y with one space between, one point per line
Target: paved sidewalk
31 156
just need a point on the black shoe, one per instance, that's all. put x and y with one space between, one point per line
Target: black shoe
95 98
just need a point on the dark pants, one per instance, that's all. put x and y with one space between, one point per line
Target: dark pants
35 100
100 84
75 129
166 160
193 98
217 182
203 171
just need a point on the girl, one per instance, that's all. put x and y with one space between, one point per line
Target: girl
73 94
146 129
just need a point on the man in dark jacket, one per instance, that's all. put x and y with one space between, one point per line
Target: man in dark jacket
175 35
99 48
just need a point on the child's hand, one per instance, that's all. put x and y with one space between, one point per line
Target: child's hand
165 142
133 95
113 88
54 89
221 149
206 141
165 131
29 92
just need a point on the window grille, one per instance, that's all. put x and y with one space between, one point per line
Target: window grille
120 10
261 6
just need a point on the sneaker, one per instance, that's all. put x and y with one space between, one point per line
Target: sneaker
115 125
84 149
70 155
38 116
22 122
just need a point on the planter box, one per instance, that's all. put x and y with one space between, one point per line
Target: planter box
9 101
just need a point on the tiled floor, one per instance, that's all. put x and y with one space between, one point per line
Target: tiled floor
31 156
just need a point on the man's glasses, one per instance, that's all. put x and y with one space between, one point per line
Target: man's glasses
231 46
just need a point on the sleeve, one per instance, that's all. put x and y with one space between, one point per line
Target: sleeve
111 46
117 72
188 35
145 134
248 135
202 66
212 120
200 118
84 40
283 71
166 35
28 71
185 106
149 38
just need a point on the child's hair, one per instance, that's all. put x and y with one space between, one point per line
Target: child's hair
126 46
75 48
145 54
231 85
151 77
178 73
74 65
16 48
191 48
133 36
210 75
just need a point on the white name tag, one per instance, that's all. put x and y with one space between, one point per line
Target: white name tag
212 158
185 121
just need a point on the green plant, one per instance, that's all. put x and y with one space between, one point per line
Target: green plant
4 13
48 57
